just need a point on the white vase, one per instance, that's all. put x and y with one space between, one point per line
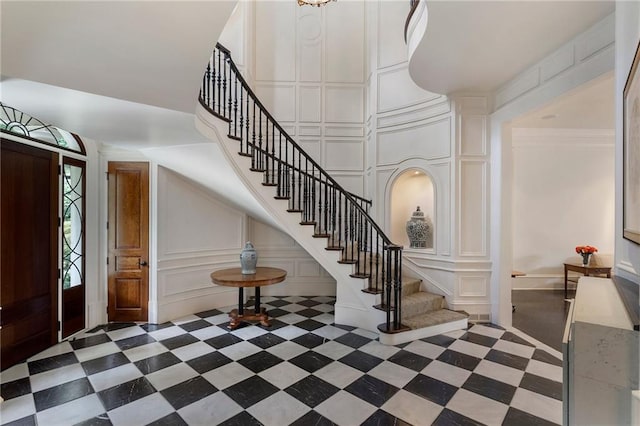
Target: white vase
248 259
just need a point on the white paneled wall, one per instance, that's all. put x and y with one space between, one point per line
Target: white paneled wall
198 234
446 138
556 206
310 74
305 276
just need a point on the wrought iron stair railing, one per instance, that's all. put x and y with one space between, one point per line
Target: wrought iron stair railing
337 215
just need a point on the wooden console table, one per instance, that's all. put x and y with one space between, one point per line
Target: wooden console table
233 277
588 270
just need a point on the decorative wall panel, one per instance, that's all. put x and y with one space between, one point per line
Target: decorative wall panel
397 145
473 134
352 183
265 237
310 131
515 88
185 216
397 90
275 51
313 148
597 39
310 104
344 104
442 177
344 155
473 286
308 269
558 62
344 131
433 108
472 205
309 45
392 49
344 40
280 100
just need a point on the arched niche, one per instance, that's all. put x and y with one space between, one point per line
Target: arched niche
412 188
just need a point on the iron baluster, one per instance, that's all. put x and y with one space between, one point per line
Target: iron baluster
266 152
235 109
260 158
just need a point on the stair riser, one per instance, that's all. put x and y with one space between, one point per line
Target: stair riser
413 309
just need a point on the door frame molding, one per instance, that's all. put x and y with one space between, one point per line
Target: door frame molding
107 154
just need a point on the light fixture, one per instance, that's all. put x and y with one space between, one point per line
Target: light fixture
316 3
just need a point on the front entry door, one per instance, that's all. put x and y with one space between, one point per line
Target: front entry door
128 241
29 251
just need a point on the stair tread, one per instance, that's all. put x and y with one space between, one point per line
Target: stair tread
420 297
428 319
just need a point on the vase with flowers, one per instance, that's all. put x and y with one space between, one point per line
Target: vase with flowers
586 252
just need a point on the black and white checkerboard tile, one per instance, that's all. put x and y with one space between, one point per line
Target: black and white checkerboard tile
302 370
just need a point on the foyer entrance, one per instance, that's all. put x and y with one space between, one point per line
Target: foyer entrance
29 269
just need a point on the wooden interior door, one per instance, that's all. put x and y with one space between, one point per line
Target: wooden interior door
29 251
128 241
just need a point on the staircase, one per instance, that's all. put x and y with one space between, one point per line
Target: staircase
342 236
424 313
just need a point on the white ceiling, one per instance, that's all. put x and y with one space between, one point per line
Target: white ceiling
151 52
133 67
591 106
480 45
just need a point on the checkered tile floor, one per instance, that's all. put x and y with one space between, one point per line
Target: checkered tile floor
302 370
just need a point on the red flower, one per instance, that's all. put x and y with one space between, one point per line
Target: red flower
586 249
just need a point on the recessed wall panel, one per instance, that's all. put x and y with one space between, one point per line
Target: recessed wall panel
344 155
352 183
280 101
395 146
310 104
472 208
392 49
557 63
275 41
313 148
396 89
191 230
473 135
265 236
344 104
344 40
310 32
473 286
344 131
308 269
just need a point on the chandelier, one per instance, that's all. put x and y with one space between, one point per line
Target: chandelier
316 3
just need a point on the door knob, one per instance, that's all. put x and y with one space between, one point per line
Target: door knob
143 263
